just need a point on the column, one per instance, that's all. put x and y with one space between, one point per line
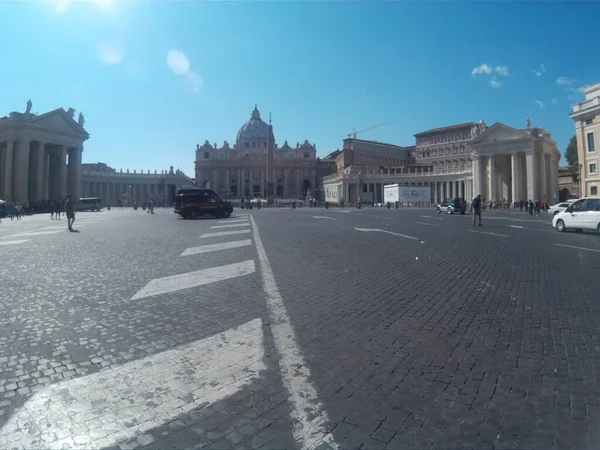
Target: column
251 183
21 161
8 172
46 180
462 188
62 173
530 170
476 176
543 196
492 190
514 165
228 183
262 183
40 172
72 173
298 189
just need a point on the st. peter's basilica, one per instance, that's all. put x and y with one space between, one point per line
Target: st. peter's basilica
239 170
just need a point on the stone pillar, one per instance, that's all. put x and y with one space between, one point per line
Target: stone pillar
251 183
72 169
298 190
476 176
531 182
21 165
492 190
40 172
228 182
514 165
262 183
46 180
7 176
61 173
543 195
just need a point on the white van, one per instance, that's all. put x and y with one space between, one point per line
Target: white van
582 214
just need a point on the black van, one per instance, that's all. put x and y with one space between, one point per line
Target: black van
191 203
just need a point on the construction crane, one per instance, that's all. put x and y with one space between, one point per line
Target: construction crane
354 133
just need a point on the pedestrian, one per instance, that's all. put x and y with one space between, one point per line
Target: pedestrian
476 207
70 212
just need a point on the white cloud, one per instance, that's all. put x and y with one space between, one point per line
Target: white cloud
539 72
178 62
484 68
495 83
539 103
501 70
110 53
554 101
565 81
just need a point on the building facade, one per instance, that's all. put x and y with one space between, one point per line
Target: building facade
501 163
586 115
40 155
100 180
240 170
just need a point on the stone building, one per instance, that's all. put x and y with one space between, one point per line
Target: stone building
586 115
499 162
100 180
239 170
40 155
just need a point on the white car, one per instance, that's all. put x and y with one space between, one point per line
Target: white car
559 207
582 214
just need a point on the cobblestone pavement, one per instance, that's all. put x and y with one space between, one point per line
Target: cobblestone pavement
368 328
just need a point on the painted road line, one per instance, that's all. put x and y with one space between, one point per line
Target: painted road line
323 217
154 390
517 226
385 231
38 233
578 248
194 279
309 417
224 233
429 217
429 224
216 247
15 242
231 226
234 221
489 233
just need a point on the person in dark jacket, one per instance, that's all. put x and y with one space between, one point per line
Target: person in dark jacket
476 207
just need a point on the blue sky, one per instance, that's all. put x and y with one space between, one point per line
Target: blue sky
321 68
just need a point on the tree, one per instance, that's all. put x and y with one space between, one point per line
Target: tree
572 158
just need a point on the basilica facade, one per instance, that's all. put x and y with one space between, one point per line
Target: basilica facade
239 170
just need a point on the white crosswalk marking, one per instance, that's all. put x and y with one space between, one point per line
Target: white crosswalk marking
37 233
224 233
194 279
15 242
231 226
178 380
216 247
234 221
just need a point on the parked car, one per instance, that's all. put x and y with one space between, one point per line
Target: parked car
452 205
559 207
582 214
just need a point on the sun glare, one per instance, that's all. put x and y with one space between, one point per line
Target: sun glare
61 6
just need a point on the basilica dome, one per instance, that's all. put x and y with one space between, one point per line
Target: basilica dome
253 130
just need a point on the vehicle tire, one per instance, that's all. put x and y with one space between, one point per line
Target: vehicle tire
598 228
226 214
462 213
449 210
193 215
560 226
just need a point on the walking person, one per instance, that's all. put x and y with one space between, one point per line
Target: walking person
476 207
70 212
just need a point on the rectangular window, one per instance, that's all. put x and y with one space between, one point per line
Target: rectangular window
206 155
306 155
594 190
593 168
590 142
